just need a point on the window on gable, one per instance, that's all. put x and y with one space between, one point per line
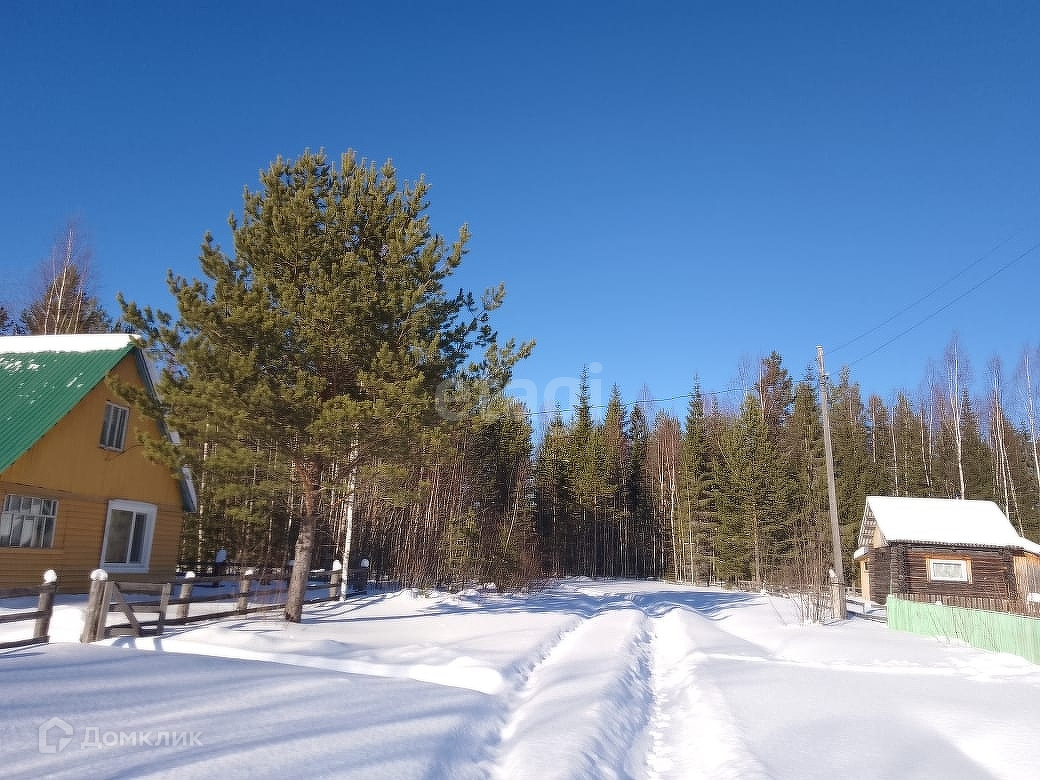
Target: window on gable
947 570
113 430
28 521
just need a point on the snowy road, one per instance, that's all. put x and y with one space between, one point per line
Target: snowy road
611 679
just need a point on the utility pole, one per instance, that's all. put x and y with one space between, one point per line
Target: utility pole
838 606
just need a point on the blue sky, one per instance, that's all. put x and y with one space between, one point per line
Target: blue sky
668 190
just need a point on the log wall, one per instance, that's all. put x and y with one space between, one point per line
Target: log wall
902 568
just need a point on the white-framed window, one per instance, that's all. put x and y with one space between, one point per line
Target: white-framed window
948 570
128 536
28 521
113 429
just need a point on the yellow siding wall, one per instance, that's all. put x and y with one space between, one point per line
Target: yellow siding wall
69 464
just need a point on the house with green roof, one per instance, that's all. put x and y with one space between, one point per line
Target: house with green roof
77 491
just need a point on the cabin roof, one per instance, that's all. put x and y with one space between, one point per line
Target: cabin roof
940 521
42 378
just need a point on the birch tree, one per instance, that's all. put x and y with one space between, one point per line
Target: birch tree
957 378
1031 392
65 302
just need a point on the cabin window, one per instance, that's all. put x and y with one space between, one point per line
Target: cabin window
113 430
128 536
947 570
28 521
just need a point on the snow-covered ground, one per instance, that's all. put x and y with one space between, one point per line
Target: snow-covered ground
605 679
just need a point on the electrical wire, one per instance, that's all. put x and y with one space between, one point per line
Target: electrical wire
643 401
945 306
982 258
926 296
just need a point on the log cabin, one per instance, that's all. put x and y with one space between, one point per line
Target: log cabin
957 552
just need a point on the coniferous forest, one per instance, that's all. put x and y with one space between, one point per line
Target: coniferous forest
725 494
334 401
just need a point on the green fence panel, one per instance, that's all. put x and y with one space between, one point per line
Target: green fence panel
997 631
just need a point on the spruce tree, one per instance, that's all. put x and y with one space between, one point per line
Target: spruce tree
881 438
588 479
696 491
976 454
640 495
741 494
856 475
812 552
7 325
552 497
755 484
615 455
325 334
912 448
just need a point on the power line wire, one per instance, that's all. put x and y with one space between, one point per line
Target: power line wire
985 256
641 401
945 306
928 295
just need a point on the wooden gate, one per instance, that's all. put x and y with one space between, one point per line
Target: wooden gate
110 596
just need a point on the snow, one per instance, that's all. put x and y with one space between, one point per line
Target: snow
584 679
942 521
73 342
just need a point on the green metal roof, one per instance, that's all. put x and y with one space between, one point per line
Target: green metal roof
43 377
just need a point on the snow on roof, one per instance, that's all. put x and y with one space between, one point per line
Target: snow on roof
71 342
940 521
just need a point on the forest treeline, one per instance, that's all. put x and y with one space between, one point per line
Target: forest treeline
334 402
724 494
741 493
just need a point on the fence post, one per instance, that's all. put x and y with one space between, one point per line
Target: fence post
244 581
335 578
185 593
363 585
97 611
45 604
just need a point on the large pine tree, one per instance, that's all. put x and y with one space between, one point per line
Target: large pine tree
325 334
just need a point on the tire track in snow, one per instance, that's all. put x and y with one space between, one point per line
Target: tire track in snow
691 733
581 709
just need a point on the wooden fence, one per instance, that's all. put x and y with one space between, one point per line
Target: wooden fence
41 615
252 593
987 603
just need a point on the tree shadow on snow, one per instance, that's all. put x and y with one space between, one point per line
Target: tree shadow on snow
582 598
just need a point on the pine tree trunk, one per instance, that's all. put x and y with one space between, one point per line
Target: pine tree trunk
300 570
304 544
